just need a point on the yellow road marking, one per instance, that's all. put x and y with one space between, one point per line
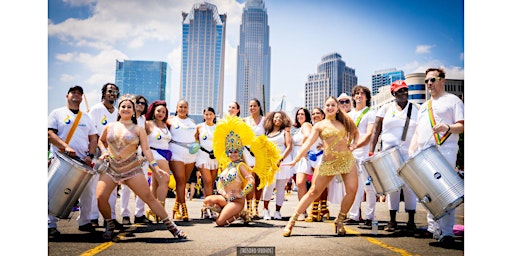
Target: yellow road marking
379 243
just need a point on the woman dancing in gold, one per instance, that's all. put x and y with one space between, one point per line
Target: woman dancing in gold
337 131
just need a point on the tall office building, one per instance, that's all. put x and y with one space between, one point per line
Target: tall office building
147 78
385 77
333 78
253 69
202 59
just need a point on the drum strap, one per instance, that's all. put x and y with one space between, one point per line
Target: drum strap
73 128
440 140
361 116
404 133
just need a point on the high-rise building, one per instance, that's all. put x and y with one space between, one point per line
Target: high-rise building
202 59
333 78
253 69
385 77
147 78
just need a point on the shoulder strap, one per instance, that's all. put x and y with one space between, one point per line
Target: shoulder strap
404 133
73 128
361 116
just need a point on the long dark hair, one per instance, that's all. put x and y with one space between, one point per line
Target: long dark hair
259 105
366 92
131 99
306 113
213 111
268 125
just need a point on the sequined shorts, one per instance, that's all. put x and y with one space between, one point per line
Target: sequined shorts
342 164
120 171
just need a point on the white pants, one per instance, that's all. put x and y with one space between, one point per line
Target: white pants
371 198
279 185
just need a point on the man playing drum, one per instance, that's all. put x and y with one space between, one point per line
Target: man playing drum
395 123
81 144
438 118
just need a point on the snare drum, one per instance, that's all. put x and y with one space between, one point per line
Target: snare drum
382 169
434 181
67 179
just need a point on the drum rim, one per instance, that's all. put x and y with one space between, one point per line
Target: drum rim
73 162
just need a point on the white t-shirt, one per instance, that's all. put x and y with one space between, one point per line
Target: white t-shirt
101 116
367 119
393 126
62 120
447 109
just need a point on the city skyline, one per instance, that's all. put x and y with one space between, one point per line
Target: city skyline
85 36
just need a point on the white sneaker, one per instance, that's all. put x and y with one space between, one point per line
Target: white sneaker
266 214
277 215
302 217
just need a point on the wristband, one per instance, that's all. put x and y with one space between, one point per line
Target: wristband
448 128
153 163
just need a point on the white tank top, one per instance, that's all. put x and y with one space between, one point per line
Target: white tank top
159 138
206 136
183 130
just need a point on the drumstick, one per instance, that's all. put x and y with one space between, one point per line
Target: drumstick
86 104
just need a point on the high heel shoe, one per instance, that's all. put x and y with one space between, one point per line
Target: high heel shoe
314 212
289 226
338 224
176 214
151 215
175 231
110 226
184 212
324 212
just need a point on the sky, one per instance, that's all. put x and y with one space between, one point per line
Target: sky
85 37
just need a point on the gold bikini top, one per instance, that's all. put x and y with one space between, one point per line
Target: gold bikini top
329 132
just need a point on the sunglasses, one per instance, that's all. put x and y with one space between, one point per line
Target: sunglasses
432 80
141 102
402 90
344 101
113 92
316 113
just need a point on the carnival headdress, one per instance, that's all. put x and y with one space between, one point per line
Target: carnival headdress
127 96
231 133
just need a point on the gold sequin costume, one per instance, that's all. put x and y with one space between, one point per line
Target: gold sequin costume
335 160
122 169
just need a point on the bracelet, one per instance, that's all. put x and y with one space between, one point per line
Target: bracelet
153 163
449 128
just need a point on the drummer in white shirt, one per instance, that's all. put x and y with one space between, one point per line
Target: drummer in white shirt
389 125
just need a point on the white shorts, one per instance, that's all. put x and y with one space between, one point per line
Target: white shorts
181 154
204 161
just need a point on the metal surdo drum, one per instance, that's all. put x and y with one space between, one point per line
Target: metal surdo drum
67 178
382 169
434 181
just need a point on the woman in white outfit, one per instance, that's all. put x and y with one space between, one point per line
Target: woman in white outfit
302 169
277 125
159 138
184 149
255 121
206 162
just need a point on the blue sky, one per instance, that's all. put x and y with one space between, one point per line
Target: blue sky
85 37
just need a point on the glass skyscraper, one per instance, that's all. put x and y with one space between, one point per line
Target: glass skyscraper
202 59
147 78
385 77
253 68
333 78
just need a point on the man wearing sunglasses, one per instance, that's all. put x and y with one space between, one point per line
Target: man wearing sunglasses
102 113
345 103
440 120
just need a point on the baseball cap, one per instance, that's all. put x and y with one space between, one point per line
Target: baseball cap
77 88
397 85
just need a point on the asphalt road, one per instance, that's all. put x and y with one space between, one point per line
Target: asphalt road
259 237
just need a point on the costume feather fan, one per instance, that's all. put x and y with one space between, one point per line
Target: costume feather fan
267 156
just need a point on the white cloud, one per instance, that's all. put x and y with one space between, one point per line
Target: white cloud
67 78
66 57
424 48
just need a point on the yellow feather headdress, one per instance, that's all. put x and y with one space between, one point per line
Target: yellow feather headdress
231 133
